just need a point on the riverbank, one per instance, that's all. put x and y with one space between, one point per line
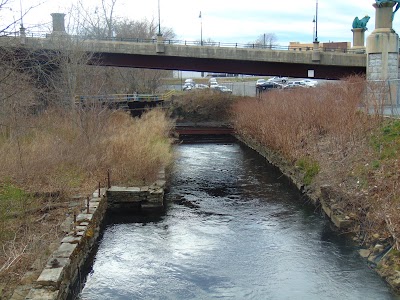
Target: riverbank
377 249
343 159
52 162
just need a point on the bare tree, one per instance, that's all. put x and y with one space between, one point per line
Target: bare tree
144 29
6 6
265 40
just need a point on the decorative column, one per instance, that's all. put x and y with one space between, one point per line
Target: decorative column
383 51
22 34
58 24
316 53
358 39
160 47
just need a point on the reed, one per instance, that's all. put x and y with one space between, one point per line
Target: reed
47 158
329 134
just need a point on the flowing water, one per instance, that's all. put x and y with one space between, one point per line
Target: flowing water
234 228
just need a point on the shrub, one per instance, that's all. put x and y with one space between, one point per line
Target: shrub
202 105
309 168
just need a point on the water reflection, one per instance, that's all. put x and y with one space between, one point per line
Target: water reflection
247 235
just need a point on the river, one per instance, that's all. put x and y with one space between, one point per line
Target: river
234 228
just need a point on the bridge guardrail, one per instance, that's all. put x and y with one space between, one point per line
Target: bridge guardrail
189 43
119 98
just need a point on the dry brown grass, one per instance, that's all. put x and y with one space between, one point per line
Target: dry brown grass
287 120
67 153
329 127
202 105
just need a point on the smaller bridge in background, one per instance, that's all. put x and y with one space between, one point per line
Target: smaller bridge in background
136 104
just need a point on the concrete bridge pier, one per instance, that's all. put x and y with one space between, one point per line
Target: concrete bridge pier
58 24
383 53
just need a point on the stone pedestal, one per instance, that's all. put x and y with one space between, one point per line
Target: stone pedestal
358 39
58 24
22 34
383 51
160 47
316 53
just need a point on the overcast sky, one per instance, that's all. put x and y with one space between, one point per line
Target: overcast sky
233 21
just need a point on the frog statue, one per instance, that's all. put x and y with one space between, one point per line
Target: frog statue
357 23
397 4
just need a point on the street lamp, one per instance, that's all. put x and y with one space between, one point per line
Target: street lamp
313 28
159 19
316 22
201 29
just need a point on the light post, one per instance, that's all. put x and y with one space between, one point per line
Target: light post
201 29
313 28
159 20
316 22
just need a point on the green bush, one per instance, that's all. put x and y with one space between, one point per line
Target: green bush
309 168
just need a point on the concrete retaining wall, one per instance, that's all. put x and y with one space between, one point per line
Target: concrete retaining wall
63 265
323 197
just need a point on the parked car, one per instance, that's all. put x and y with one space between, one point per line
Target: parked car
309 82
201 86
224 89
296 84
260 82
212 79
278 79
213 84
189 81
187 86
267 85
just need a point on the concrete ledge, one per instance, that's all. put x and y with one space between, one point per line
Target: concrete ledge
137 198
42 294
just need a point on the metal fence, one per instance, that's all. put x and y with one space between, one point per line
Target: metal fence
120 98
31 34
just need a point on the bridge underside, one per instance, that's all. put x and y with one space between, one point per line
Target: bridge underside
225 66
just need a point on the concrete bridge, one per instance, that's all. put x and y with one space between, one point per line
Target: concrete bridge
379 60
212 57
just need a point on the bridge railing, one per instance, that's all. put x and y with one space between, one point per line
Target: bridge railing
123 98
187 43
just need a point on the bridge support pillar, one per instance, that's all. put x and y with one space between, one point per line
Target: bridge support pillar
358 39
58 24
160 47
383 53
316 54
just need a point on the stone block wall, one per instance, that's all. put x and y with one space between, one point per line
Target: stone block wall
63 265
137 198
